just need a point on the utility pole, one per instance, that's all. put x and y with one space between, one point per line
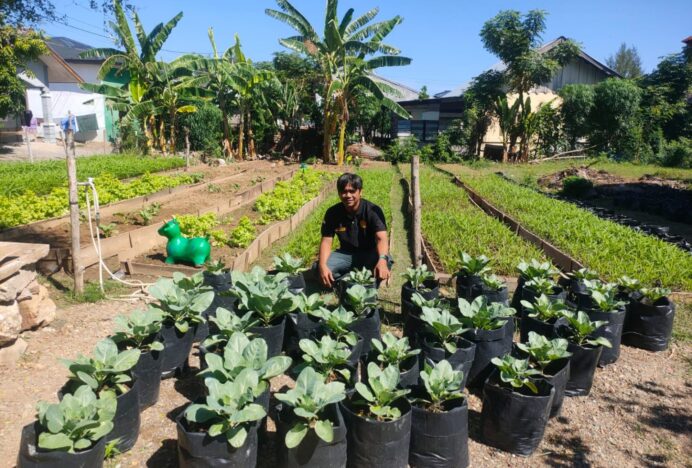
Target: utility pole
77 270
415 198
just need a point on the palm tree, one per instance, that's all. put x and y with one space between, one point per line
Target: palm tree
507 121
340 56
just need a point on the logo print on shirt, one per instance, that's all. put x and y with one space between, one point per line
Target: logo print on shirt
363 224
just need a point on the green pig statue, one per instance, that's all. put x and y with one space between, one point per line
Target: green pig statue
182 249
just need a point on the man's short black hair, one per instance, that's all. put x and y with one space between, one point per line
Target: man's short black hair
348 178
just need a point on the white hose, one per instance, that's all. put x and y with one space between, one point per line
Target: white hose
97 246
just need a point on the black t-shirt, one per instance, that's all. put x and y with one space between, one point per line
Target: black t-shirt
355 232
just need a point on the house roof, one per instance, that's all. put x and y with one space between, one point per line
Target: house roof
501 66
404 93
69 49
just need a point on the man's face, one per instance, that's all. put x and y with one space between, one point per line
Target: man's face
350 197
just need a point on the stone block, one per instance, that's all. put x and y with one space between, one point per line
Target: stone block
37 311
9 355
10 288
10 323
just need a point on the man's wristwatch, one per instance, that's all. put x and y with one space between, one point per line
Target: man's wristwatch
383 257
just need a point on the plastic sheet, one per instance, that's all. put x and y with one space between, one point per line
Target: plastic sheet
462 359
381 444
440 440
612 331
489 344
32 457
312 451
199 450
649 327
147 371
177 348
582 368
513 420
273 335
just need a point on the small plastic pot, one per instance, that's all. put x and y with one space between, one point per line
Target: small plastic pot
372 443
582 368
440 440
177 347
462 359
547 329
273 335
312 451
514 420
147 373
649 326
612 331
367 327
489 344
30 456
198 449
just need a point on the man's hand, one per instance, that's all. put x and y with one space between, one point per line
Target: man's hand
382 270
326 275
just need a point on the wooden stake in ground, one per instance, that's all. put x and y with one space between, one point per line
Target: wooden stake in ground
77 270
415 195
28 144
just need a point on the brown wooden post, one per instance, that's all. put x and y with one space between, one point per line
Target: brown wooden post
415 194
77 270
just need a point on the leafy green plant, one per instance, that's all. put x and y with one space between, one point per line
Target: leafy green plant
360 299
286 263
392 350
442 383
337 322
435 303
444 326
492 282
230 407
213 188
202 226
228 323
243 234
628 285
148 213
286 198
311 303
381 392
584 274
541 286
77 422
107 230
217 267
481 315
544 309
576 187
606 302
417 276
266 296
139 330
327 356
652 295
309 399
361 277
581 328
534 269
182 299
600 286
107 370
543 351
516 372
469 265
242 353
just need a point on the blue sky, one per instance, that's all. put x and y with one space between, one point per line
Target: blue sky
441 36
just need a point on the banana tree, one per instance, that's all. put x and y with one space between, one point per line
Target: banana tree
507 121
348 37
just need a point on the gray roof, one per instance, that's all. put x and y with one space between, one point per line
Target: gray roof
500 67
404 93
69 49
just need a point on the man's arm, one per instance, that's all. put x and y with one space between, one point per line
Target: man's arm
381 268
325 251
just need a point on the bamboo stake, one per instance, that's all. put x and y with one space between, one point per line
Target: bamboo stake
415 194
77 270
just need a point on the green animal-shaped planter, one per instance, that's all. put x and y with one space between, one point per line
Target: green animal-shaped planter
182 249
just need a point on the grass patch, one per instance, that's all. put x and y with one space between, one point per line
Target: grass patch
682 325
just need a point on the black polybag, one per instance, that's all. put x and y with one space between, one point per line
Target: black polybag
489 344
177 348
372 443
582 368
440 440
126 420
273 335
147 372
515 420
649 326
368 327
612 331
31 457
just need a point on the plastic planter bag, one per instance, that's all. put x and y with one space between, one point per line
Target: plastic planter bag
649 326
147 372
440 440
32 457
177 348
582 368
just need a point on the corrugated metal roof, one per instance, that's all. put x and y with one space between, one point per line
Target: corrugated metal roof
69 49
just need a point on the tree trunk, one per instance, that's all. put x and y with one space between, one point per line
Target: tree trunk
162 136
342 138
250 138
241 135
148 133
173 135
327 138
226 143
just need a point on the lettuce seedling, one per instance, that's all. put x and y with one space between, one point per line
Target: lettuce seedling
285 263
581 328
472 266
652 295
444 326
182 299
544 309
327 356
228 323
266 296
309 399
107 370
77 422
417 276
338 322
534 269
362 277
481 315
381 391
541 286
392 350
628 285
435 303
516 372
492 282
442 383
360 299
543 351
230 407
584 274
139 330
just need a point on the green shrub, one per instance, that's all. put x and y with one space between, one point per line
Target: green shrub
206 129
677 153
576 187
402 150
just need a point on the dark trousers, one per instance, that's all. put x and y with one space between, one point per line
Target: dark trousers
341 262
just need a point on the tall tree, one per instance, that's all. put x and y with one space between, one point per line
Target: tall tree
507 121
16 49
626 62
342 57
515 39
25 13
423 93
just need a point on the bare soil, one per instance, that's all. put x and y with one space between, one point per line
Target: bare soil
639 412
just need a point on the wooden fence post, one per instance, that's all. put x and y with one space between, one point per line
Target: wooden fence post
77 270
415 194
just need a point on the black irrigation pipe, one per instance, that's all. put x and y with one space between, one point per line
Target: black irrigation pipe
660 232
